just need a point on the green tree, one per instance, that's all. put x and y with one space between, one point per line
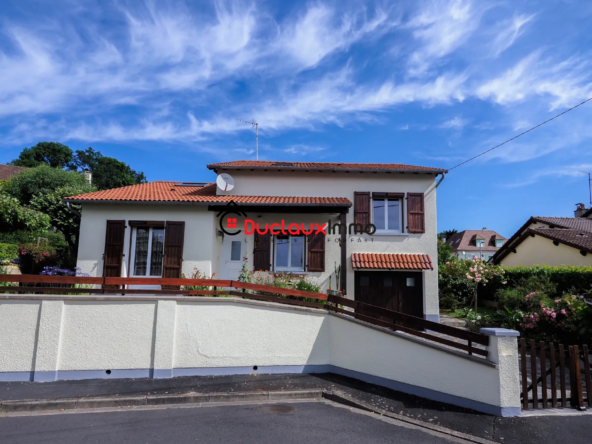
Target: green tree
446 234
444 253
107 172
42 180
62 218
53 154
13 217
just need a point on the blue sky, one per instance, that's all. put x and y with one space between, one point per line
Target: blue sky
158 84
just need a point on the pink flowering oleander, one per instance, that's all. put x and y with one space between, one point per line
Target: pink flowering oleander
557 301
563 312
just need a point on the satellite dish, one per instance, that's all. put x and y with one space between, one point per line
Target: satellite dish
225 182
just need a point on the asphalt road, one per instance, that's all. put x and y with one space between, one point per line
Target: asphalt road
261 424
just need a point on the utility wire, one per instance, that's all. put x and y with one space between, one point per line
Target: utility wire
521 134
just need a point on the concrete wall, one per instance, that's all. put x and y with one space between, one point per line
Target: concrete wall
46 338
539 250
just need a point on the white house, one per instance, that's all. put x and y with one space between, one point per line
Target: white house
376 222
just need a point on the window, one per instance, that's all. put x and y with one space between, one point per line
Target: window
289 253
499 243
386 215
480 242
147 252
235 250
410 282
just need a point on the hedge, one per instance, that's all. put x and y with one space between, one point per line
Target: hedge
568 279
8 251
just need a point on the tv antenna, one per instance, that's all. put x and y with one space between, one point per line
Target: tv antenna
589 184
256 126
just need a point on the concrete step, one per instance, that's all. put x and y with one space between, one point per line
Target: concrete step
452 322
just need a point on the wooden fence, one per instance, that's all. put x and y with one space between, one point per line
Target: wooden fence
456 338
545 359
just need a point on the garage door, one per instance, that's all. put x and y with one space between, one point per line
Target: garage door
395 290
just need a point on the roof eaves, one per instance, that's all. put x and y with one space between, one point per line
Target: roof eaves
215 202
215 168
561 241
505 250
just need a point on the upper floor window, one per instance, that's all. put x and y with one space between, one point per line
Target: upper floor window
386 215
499 243
480 242
289 253
147 252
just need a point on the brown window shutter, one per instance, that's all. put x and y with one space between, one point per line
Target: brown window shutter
174 234
113 257
262 252
362 207
415 213
316 252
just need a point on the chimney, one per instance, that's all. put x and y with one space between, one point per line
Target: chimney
88 176
580 210
484 228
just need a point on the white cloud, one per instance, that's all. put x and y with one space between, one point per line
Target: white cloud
456 123
512 29
303 149
322 30
441 27
567 81
571 171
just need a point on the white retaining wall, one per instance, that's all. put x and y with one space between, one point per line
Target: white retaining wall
45 338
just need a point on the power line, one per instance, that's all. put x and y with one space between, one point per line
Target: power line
521 134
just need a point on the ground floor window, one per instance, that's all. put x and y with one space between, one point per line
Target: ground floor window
147 252
289 253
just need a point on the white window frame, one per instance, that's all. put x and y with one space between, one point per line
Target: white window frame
499 243
477 241
289 269
387 231
149 257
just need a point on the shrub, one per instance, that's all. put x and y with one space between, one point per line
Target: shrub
462 279
197 274
33 259
555 280
8 251
567 319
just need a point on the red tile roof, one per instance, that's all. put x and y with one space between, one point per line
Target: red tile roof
467 240
395 261
172 192
7 171
316 166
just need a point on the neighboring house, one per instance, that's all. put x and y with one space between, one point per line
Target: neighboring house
8 171
480 243
550 241
170 228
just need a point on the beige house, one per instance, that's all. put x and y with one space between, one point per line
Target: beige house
550 241
376 223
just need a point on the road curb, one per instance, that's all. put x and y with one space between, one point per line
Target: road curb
31 405
341 398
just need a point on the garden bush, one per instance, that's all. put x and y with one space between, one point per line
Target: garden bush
8 251
33 259
565 279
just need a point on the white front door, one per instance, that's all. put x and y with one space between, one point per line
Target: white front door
233 251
